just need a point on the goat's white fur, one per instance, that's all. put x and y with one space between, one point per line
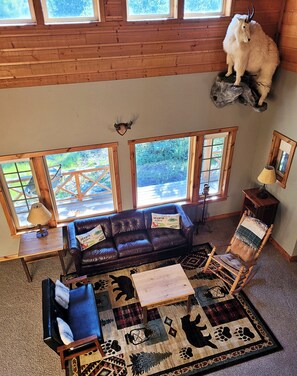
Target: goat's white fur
249 49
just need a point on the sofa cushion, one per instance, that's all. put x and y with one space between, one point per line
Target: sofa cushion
86 224
133 243
164 238
103 251
82 313
129 220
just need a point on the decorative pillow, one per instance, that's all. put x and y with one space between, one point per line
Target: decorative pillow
61 294
65 331
90 238
166 221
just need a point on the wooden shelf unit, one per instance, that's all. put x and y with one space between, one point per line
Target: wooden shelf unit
261 208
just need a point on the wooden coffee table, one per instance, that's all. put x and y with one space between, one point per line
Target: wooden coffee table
162 286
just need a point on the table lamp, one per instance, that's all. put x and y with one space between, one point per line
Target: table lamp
39 215
267 176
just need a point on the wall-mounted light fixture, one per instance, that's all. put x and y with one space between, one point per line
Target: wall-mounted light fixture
122 128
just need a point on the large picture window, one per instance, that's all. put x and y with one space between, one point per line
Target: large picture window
162 170
176 168
81 183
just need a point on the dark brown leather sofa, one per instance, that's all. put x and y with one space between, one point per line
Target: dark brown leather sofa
130 240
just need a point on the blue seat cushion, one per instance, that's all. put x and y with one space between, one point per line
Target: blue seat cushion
83 317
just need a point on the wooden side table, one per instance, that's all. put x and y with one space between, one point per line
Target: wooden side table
33 249
261 208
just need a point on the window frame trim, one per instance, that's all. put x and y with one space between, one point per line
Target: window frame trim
70 20
39 172
226 11
195 165
21 21
173 13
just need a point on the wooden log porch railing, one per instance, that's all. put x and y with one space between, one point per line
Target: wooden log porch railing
77 176
62 183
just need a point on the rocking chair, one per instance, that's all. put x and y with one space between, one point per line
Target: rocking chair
237 266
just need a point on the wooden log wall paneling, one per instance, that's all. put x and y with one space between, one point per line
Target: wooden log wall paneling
115 49
288 37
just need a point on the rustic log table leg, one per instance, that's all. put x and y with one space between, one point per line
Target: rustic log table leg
144 312
25 266
189 304
61 256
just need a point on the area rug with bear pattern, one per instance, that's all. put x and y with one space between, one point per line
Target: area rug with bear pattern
221 330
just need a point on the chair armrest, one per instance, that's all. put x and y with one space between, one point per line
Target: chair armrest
83 279
80 342
212 253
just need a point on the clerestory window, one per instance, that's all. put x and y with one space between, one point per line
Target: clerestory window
141 10
16 12
65 11
204 8
138 10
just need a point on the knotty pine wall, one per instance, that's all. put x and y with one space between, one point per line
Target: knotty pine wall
115 49
288 37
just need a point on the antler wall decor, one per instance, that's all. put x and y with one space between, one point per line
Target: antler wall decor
122 128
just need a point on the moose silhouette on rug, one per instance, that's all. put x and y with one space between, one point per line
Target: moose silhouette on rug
194 333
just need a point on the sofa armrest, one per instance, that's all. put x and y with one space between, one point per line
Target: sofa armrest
186 224
74 246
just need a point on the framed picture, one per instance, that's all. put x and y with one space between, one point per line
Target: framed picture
281 155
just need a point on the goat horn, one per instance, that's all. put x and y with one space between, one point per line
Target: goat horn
250 16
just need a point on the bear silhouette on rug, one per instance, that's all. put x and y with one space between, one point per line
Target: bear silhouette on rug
194 333
125 287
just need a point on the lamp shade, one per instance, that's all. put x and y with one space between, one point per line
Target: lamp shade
39 214
267 175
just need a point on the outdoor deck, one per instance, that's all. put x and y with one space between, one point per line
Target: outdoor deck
95 205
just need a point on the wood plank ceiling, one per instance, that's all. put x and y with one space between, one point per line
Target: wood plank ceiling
115 49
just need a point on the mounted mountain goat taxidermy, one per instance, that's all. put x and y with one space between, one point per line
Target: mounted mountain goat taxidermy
249 49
